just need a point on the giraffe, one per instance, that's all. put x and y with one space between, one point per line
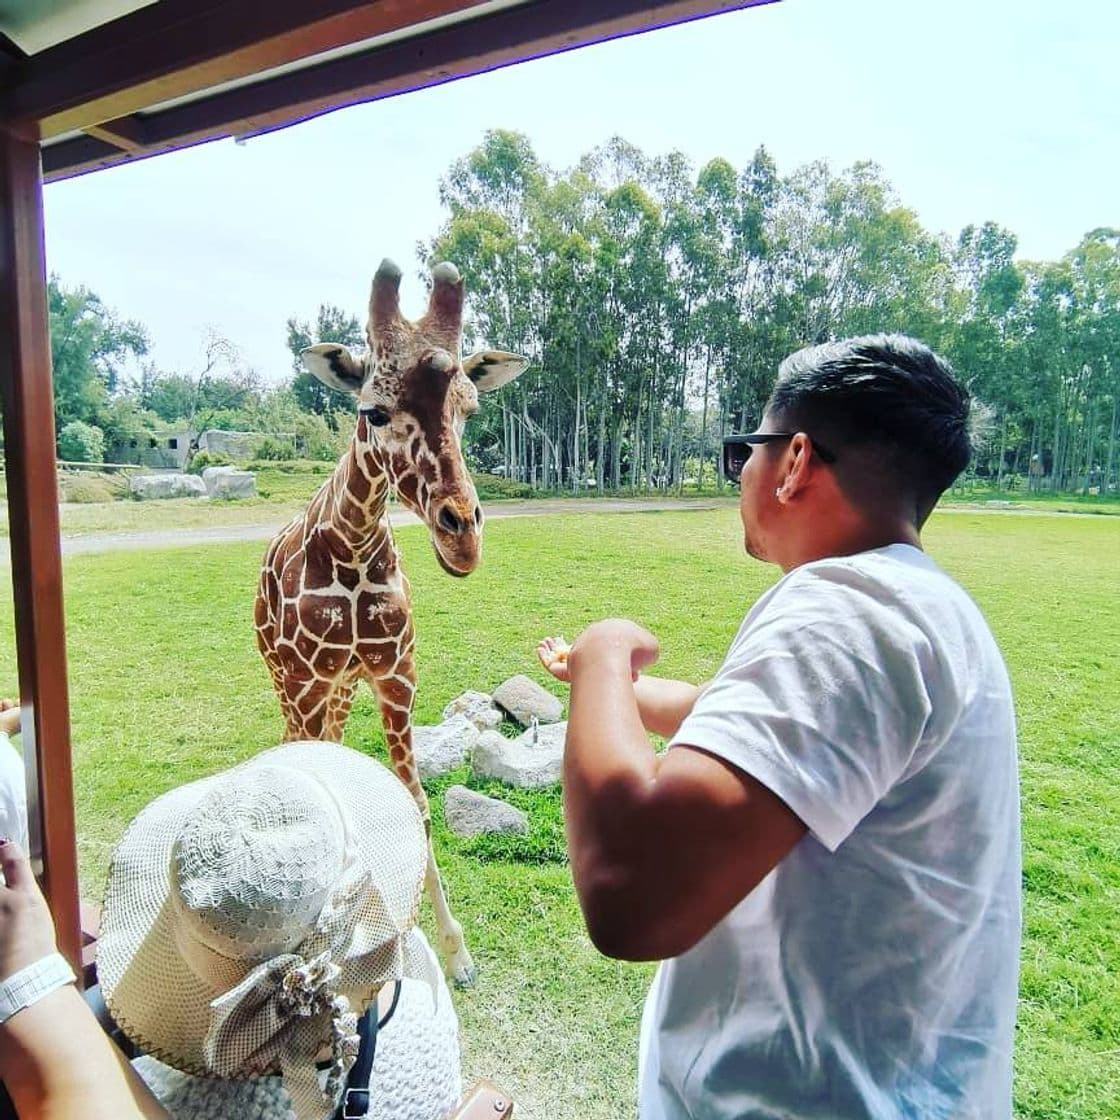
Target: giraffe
333 606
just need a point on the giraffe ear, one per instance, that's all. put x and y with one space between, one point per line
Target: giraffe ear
334 366
491 369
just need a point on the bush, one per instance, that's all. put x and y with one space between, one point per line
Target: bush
492 487
81 443
87 488
317 467
206 459
316 440
275 450
291 481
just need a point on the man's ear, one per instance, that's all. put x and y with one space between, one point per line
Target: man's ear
491 369
798 463
334 366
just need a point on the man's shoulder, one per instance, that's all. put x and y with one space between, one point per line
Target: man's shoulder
897 578
865 584
894 597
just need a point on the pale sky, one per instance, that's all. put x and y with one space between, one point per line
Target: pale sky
976 109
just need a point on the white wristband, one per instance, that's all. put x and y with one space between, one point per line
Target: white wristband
30 984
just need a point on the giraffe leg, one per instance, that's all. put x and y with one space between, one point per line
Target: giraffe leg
338 711
310 709
395 695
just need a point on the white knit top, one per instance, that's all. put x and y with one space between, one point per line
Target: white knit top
416 1074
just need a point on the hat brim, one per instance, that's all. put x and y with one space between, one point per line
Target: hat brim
152 993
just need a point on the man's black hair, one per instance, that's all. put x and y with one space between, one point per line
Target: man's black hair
887 395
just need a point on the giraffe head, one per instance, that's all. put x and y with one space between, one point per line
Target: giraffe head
414 394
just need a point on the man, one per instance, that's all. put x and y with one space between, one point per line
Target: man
827 858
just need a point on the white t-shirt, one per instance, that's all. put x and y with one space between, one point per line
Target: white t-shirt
873 973
13 793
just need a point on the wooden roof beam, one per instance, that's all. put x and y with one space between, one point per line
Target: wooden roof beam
126 134
179 47
496 39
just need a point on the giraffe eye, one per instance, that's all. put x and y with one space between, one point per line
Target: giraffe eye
378 417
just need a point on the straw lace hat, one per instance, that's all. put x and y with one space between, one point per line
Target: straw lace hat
251 917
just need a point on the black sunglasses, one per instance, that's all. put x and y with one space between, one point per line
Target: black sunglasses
737 450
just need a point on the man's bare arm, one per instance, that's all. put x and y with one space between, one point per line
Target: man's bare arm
661 846
663 703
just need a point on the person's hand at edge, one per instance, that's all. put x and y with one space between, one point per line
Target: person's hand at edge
26 929
10 716
55 1060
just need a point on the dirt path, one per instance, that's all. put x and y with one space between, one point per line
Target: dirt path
82 544
235 534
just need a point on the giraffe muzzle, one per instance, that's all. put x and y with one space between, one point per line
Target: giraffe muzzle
457 536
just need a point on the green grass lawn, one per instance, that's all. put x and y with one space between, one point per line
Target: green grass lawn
166 686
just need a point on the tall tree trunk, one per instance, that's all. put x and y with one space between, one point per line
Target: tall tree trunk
704 418
1002 452
531 444
601 452
679 425
1107 482
1056 459
1088 443
616 455
576 468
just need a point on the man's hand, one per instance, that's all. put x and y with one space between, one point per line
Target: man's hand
614 638
553 654
26 930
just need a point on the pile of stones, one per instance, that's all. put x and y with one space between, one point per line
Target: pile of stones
216 482
471 733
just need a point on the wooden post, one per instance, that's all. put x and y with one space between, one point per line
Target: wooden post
29 450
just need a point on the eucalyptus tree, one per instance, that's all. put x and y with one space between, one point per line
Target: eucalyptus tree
1095 282
332 324
657 305
91 348
986 344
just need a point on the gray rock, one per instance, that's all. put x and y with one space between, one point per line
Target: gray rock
477 708
233 484
147 487
473 814
524 699
210 476
522 762
443 748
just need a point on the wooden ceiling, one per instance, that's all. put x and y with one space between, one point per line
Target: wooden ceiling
180 72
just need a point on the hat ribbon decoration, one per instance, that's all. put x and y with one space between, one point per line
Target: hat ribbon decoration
276 1014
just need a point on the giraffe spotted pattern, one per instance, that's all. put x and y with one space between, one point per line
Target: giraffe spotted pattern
334 606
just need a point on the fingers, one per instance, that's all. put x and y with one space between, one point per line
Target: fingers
553 655
552 651
10 718
15 865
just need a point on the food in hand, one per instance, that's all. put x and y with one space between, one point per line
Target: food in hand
554 652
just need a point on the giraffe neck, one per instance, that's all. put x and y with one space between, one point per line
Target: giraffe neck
351 506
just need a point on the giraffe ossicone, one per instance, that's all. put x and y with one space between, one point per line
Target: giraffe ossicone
333 605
